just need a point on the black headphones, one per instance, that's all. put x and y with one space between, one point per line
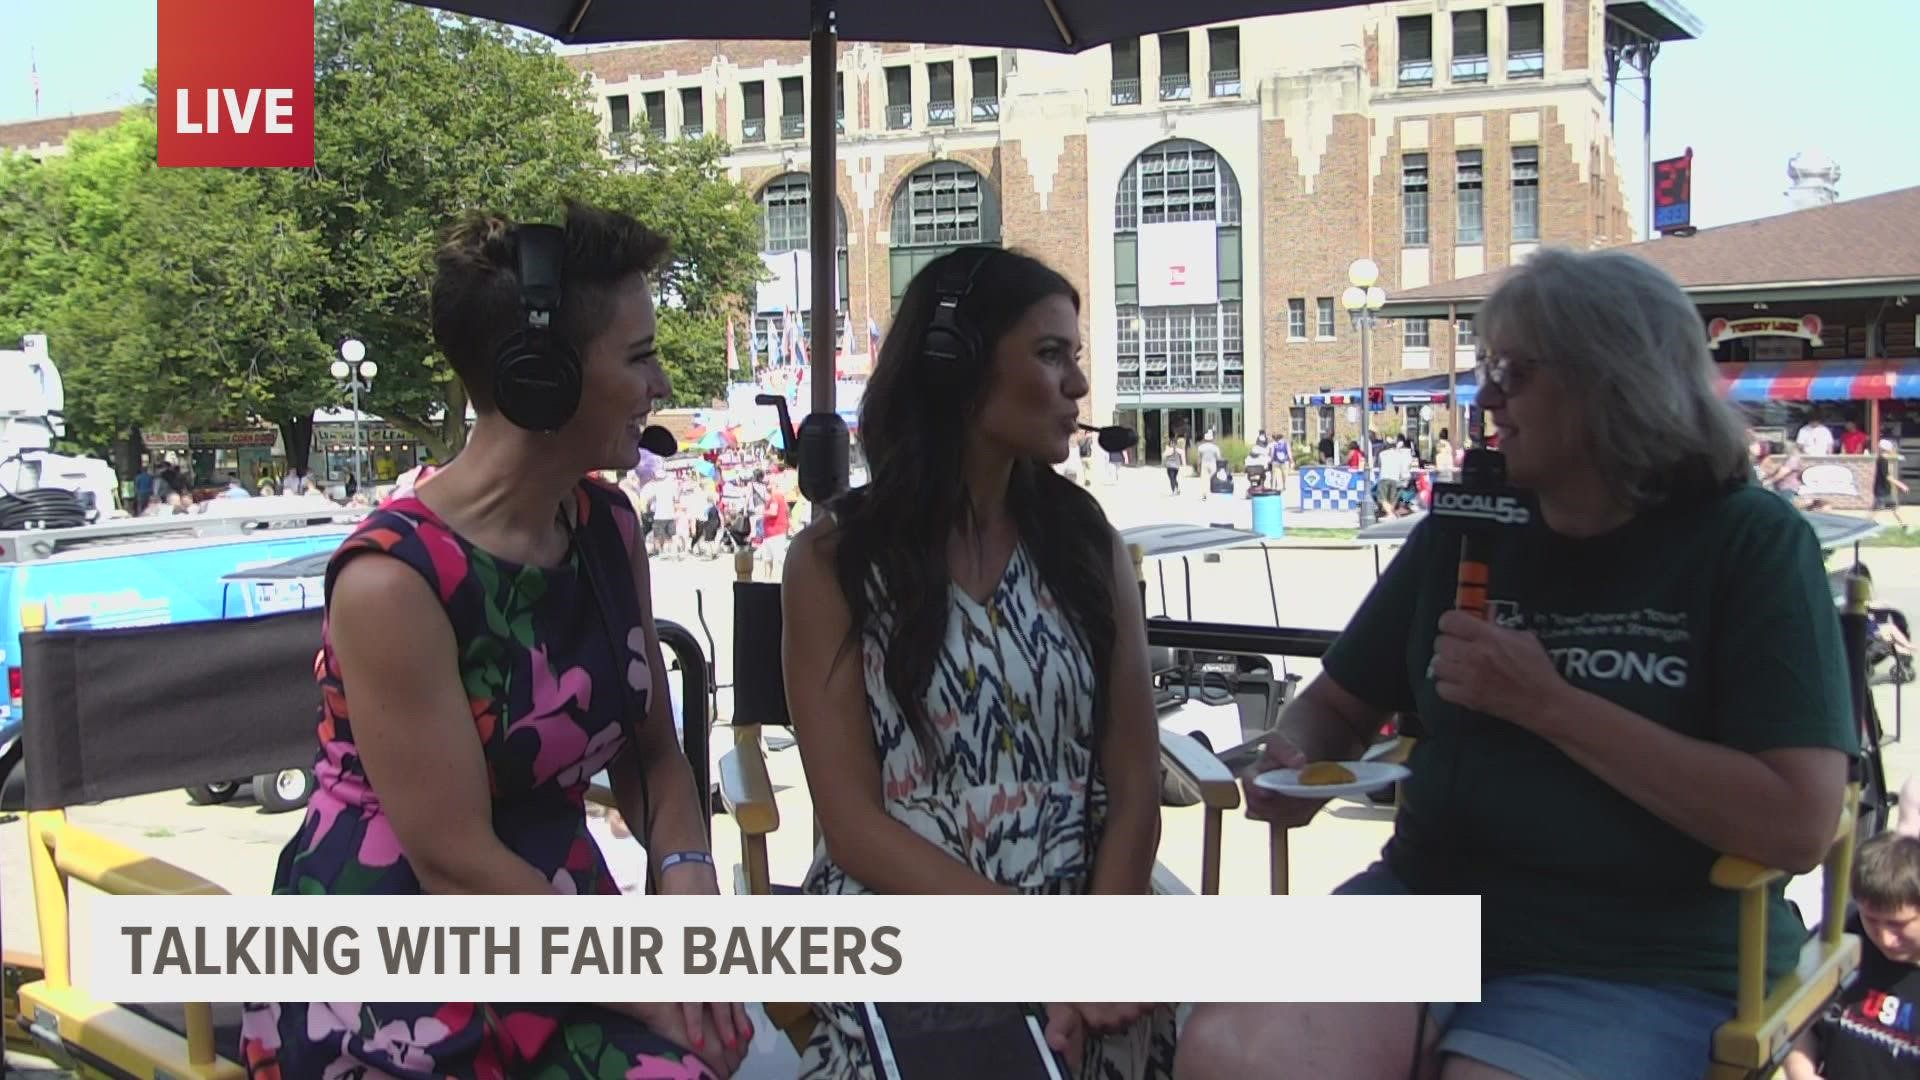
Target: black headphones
951 340
536 376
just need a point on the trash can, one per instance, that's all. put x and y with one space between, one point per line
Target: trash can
1269 513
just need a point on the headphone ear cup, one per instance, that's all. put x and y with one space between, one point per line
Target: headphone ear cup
534 387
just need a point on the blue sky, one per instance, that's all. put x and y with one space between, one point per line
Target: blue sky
1768 79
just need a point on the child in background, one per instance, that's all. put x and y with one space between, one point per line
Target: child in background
1873 1032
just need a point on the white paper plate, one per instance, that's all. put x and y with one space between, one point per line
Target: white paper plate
1368 776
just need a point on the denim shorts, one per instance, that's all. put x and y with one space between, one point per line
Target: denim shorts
1541 1026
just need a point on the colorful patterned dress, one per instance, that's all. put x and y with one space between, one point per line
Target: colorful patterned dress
1012 708
539 666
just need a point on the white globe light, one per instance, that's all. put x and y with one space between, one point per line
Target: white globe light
1354 298
1376 298
369 369
340 369
352 349
1363 273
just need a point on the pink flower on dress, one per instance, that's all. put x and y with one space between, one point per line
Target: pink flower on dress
378 845
261 1024
329 1018
449 562
639 676
404 1044
603 747
562 741
657 1068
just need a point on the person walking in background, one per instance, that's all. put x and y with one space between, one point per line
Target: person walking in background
1175 459
1209 453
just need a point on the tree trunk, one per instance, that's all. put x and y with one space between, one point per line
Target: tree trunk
453 426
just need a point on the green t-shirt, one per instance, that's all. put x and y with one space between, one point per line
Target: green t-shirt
1715 620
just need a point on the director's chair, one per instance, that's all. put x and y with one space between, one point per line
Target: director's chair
236 698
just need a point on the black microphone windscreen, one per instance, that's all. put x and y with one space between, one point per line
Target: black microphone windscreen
659 442
1116 439
1484 467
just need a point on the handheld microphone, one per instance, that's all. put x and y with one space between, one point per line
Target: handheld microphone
1476 508
1114 438
659 442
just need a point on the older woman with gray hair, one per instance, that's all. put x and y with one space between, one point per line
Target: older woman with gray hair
1660 680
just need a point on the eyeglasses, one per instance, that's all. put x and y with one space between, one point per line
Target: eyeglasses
1503 373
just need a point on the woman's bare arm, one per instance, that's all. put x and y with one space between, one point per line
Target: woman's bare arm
1130 748
828 702
414 729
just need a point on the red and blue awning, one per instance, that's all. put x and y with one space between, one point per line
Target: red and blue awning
1821 380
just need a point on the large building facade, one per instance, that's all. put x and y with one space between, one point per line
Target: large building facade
1206 190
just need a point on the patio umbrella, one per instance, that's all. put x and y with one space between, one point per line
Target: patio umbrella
1063 26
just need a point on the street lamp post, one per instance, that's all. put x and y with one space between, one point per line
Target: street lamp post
356 373
1363 301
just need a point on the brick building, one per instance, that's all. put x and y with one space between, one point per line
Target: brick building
1441 139
47 137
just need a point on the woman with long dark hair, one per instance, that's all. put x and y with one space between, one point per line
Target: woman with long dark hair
965 650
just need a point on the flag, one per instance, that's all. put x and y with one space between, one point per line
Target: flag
753 349
733 356
33 67
873 338
800 344
777 345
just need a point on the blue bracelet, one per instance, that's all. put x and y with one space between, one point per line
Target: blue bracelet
679 857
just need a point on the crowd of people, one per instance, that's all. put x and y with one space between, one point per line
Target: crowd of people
969 681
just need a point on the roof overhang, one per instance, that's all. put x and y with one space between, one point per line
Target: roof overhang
1661 20
1741 293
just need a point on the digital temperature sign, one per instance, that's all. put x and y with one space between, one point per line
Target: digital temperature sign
1673 194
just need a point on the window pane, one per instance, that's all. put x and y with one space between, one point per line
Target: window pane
1526 193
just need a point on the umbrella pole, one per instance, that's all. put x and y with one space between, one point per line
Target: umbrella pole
823 458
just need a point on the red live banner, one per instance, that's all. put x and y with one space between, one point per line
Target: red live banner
236 83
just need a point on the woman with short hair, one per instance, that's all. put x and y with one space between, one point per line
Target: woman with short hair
489 648
1660 680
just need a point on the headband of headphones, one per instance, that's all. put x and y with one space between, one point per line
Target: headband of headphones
542 257
949 338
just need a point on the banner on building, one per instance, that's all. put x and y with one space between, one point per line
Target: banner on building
790 284
1179 264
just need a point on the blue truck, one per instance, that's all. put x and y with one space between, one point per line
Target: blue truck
149 571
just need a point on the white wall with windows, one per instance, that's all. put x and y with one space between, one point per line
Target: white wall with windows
786 228
1197 167
940 207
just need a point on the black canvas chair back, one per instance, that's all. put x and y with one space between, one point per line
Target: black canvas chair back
131 711
135 710
759 685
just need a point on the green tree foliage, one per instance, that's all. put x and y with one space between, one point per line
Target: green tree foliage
190 296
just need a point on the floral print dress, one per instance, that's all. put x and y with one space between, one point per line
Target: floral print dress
543 679
1013 794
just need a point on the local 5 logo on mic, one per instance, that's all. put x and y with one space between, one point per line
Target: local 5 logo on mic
236 83
1460 503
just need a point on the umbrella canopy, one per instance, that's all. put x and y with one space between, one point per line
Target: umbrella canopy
1053 25
1065 26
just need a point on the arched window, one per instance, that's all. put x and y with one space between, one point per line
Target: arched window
786 225
940 206
1185 351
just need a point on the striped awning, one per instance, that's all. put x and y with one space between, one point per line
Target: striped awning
1431 390
1821 380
